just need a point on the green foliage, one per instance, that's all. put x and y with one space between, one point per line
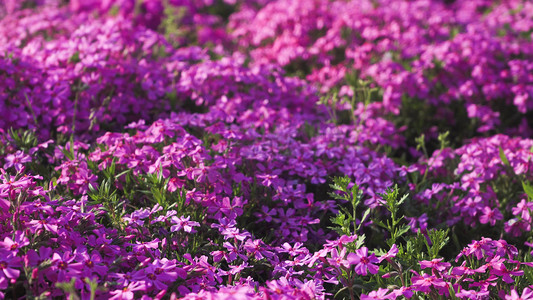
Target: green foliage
393 225
439 239
528 189
413 251
412 248
503 157
364 92
331 102
23 139
170 24
75 58
69 289
419 119
106 195
346 217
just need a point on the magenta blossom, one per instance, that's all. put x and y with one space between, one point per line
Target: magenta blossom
379 294
527 293
17 160
183 223
14 245
363 262
127 292
9 265
390 254
435 264
490 216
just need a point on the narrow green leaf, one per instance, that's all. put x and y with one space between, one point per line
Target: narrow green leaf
122 173
402 230
503 157
402 200
528 189
365 215
380 223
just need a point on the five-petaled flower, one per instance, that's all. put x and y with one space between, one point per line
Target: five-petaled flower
363 262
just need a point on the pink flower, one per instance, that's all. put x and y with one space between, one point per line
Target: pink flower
425 282
14 245
390 254
183 223
490 216
403 291
16 160
337 259
9 265
127 292
379 294
527 293
363 262
435 264
502 271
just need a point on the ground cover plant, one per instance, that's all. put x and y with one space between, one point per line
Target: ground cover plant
253 149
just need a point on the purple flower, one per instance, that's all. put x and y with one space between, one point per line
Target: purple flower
257 248
435 264
363 262
527 293
43 224
337 259
128 292
64 267
158 274
90 263
14 245
183 223
9 264
425 282
490 216
379 294
390 254
17 160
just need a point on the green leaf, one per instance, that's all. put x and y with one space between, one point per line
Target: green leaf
360 241
402 230
439 239
380 223
75 58
365 215
91 188
503 157
122 173
402 200
443 139
338 219
528 189
345 210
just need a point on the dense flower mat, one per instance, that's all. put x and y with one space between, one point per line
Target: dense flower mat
254 149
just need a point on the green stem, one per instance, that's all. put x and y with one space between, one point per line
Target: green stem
31 110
